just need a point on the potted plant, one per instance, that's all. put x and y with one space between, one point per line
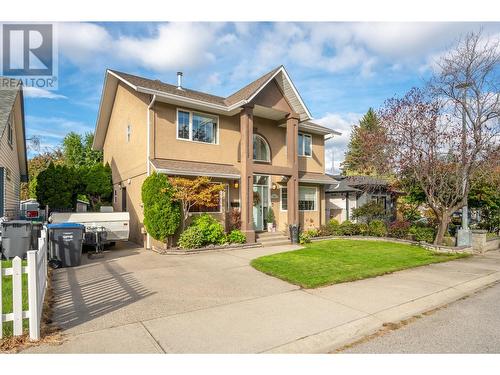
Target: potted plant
270 220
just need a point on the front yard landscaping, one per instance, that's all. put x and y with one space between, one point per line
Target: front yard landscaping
335 261
7 297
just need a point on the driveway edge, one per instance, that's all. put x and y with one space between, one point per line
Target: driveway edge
334 338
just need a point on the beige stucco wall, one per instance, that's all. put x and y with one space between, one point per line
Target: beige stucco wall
128 158
9 159
307 219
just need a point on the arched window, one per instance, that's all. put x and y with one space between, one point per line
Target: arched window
261 151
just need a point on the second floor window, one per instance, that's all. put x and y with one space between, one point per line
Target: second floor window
261 151
305 145
10 135
198 127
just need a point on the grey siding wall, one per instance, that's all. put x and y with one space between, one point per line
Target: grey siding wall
10 162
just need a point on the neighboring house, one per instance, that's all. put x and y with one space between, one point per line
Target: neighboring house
13 159
352 192
260 142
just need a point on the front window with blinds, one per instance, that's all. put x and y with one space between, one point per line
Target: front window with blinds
308 198
198 127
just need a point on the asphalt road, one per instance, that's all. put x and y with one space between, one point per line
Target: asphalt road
471 325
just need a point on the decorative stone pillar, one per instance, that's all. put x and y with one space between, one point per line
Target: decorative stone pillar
246 183
292 141
479 240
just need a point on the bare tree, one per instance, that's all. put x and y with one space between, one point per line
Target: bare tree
442 134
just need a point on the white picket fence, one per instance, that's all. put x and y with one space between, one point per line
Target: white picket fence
37 285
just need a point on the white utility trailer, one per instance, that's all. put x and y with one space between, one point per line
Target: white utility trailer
117 224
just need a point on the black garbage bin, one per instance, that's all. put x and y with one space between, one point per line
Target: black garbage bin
294 232
16 236
65 244
36 230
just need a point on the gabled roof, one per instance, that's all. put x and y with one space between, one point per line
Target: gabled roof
196 99
7 99
252 88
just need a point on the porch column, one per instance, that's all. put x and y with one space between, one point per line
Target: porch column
246 183
292 154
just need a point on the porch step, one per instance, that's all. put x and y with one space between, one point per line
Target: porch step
272 239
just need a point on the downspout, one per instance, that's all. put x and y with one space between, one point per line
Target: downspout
148 164
148 134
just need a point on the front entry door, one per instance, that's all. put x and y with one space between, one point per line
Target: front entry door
260 201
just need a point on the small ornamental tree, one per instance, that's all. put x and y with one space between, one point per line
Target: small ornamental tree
162 213
58 186
97 183
369 211
200 191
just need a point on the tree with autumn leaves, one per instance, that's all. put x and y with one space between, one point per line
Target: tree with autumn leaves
200 191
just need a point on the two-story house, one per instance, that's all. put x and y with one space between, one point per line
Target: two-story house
260 142
13 159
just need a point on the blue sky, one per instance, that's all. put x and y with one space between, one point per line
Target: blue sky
340 69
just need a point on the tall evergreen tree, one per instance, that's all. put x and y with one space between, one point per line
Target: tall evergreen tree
364 155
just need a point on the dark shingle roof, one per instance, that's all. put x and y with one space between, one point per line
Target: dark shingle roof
154 84
365 181
192 168
9 88
250 89
318 178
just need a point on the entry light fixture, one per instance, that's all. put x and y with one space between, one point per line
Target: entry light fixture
236 184
274 186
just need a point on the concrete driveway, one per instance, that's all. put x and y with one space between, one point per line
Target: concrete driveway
136 301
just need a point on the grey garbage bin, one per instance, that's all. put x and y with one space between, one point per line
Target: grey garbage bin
294 232
65 244
16 238
36 230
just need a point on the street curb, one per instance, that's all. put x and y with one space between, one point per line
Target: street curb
337 337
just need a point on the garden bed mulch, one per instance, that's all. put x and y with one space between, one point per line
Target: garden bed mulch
178 251
50 334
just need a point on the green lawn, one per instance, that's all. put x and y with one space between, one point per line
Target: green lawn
336 261
7 297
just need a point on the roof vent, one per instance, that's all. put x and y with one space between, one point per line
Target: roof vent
179 80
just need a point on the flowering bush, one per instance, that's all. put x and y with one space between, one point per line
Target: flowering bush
399 229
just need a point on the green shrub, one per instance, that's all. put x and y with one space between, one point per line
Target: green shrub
377 228
421 233
399 229
348 228
304 238
162 215
334 227
312 233
191 238
324 231
213 232
235 236
369 211
362 229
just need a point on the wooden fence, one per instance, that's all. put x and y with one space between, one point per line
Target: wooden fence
36 269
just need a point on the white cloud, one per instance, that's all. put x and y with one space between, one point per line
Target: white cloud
227 39
52 130
83 42
336 147
170 46
175 45
36 92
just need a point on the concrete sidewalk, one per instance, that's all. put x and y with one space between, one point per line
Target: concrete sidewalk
136 301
